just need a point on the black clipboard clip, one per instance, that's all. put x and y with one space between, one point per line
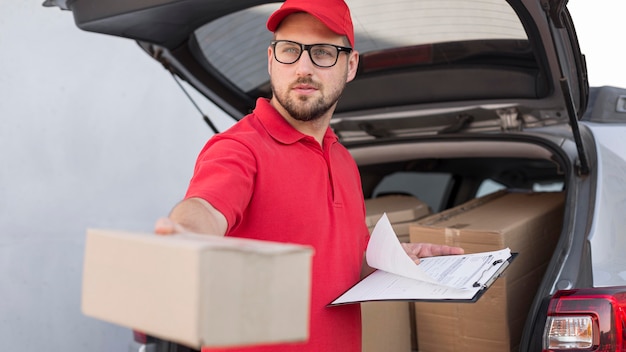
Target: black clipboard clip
496 274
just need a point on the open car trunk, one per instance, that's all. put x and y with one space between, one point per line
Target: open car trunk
482 194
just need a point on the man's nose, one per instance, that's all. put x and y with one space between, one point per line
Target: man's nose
305 65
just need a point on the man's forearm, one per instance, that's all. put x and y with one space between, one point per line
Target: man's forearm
198 216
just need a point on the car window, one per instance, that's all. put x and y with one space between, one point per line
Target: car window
490 186
431 188
424 33
549 186
236 45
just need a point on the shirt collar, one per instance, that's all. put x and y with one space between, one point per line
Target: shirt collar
276 125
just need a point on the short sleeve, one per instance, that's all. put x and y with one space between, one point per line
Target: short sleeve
224 176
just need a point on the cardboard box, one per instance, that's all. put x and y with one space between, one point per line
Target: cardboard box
529 224
389 326
198 290
402 211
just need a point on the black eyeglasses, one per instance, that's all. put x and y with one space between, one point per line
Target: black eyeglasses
322 55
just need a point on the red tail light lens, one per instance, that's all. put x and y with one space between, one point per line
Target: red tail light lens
591 319
140 337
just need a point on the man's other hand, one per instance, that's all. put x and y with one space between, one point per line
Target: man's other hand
421 250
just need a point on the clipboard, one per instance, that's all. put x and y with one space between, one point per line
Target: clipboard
384 286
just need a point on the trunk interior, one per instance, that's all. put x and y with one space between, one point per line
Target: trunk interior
480 193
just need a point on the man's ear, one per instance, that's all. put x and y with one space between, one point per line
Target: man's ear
270 56
353 65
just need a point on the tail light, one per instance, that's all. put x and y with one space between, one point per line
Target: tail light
140 337
591 319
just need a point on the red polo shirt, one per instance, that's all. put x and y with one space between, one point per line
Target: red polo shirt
274 183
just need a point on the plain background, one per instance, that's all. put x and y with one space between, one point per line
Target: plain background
93 133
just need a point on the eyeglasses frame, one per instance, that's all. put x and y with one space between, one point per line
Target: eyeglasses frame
306 47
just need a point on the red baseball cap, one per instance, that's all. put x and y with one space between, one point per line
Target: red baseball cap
335 14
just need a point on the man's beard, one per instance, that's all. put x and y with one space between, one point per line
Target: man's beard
306 108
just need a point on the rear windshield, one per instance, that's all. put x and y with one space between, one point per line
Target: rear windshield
416 32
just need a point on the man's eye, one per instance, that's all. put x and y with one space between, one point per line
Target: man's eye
290 50
322 52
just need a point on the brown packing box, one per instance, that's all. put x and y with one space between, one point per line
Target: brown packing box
402 211
387 326
527 223
198 290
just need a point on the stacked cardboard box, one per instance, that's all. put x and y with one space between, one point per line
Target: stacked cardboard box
527 223
388 326
402 211
198 290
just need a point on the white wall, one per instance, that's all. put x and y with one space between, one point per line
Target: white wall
600 27
93 133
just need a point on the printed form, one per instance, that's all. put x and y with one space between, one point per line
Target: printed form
452 277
